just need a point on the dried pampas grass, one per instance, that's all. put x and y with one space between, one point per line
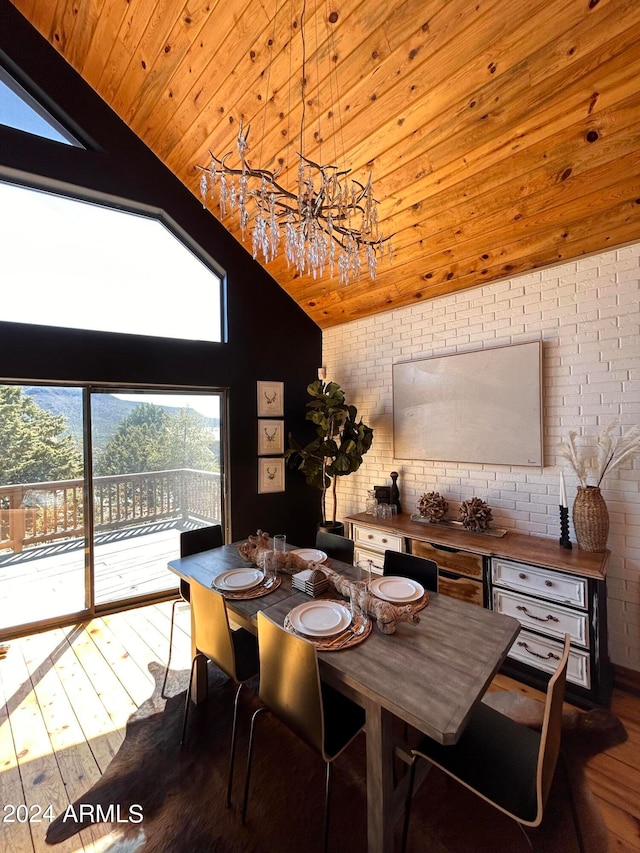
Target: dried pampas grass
610 451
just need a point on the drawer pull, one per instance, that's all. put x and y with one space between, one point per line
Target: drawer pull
548 618
522 576
548 656
548 583
370 536
384 541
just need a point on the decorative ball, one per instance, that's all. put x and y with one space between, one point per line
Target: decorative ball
433 506
475 514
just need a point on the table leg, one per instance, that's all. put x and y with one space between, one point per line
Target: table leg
380 800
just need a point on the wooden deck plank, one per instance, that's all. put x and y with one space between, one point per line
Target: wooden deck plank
75 759
107 686
92 716
14 836
42 782
133 676
47 581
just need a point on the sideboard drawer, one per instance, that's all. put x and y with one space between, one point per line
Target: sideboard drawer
543 616
460 562
554 586
376 558
462 588
545 653
378 540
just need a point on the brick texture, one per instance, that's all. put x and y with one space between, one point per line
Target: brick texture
587 313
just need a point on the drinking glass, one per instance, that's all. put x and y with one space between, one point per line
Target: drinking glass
363 573
279 547
269 565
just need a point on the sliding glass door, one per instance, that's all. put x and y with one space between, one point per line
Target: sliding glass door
43 570
156 471
96 486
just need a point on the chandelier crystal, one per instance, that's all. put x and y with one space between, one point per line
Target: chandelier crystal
327 221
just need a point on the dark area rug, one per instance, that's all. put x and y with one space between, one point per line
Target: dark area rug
181 792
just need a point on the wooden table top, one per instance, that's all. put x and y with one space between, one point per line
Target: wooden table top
430 674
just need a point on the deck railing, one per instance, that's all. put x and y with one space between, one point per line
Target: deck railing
35 513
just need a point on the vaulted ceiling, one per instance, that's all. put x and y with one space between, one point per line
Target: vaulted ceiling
502 136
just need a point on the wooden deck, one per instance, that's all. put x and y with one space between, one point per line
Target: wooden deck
67 695
47 581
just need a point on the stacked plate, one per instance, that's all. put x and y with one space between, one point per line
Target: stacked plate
320 618
310 581
396 590
238 580
311 555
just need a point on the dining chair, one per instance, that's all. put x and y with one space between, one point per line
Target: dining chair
335 546
291 689
409 566
191 542
234 652
506 763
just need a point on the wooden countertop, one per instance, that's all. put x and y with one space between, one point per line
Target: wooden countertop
536 550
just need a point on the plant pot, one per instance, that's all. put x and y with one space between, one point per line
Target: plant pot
330 527
590 519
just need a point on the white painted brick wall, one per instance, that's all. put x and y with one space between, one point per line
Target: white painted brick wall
587 314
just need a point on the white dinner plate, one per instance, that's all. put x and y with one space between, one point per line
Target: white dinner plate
320 618
397 590
311 555
236 580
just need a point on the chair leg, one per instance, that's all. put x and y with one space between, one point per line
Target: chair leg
327 804
232 757
187 700
407 805
572 803
166 672
249 759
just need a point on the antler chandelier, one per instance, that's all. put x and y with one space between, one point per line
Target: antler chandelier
327 220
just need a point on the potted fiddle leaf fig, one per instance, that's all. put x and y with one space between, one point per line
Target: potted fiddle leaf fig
337 450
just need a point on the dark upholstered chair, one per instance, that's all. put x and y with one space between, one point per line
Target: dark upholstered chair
191 542
504 762
290 688
234 652
409 566
335 546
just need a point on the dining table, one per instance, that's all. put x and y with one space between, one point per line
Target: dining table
428 675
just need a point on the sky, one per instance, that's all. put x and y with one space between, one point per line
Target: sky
206 404
79 265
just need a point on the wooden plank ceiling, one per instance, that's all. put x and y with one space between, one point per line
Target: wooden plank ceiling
502 136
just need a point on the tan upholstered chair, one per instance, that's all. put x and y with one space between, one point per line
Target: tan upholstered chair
191 542
290 687
234 652
506 763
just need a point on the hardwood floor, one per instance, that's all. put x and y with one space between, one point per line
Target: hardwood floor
65 697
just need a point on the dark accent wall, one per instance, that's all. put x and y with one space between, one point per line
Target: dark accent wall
269 336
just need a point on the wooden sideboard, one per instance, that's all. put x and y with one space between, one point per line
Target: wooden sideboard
549 589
